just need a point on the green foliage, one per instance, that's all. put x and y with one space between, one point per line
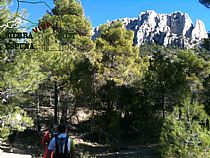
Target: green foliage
194 70
206 95
82 83
120 59
207 44
60 64
133 91
13 118
68 63
72 7
206 3
183 134
3 3
23 75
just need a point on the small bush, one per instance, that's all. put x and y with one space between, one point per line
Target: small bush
13 118
184 135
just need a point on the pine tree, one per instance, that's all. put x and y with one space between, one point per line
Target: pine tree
12 116
120 60
185 133
68 43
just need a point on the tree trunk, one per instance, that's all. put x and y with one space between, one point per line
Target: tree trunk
64 112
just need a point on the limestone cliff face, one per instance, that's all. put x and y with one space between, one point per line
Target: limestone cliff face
174 29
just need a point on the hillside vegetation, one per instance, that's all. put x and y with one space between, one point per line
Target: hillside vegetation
133 95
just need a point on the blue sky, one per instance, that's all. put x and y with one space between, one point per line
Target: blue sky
99 11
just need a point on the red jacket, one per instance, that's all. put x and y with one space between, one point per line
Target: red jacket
45 141
46 138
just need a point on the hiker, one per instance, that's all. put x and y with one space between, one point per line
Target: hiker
54 131
46 140
62 145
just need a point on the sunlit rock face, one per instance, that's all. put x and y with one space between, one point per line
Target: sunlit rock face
174 29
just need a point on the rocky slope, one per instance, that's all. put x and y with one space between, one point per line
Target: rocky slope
174 29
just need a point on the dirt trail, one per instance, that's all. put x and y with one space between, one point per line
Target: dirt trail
12 155
84 150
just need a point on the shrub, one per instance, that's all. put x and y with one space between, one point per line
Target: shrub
13 118
184 133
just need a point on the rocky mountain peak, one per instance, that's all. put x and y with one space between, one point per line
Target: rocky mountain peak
175 29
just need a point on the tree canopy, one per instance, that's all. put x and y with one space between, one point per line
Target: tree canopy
206 3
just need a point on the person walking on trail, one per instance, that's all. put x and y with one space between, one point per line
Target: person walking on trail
51 132
54 131
45 141
62 145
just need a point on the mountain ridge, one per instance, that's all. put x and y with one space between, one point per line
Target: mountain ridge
175 29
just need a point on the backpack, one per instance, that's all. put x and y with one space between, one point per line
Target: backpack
61 147
53 133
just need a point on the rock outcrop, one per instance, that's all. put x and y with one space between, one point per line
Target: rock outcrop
174 29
